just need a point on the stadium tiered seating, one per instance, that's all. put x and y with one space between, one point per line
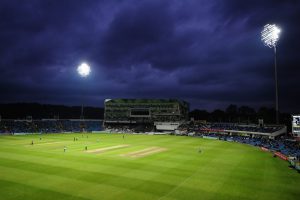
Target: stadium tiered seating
243 127
49 126
222 131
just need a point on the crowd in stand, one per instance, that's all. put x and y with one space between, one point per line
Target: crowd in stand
129 128
198 127
242 127
49 126
283 144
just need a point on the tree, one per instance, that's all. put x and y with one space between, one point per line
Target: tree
267 114
199 114
246 113
231 112
218 115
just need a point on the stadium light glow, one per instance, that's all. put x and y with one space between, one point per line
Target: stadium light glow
84 70
270 37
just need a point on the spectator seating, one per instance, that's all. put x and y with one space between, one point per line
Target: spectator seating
49 126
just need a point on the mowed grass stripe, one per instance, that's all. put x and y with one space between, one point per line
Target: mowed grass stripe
154 167
75 158
68 186
11 190
209 183
141 172
94 166
93 177
168 159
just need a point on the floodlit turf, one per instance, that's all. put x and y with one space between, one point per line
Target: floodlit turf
174 169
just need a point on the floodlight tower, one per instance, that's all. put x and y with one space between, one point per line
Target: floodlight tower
270 37
83 70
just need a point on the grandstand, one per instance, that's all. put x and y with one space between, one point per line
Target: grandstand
269 137
145 114
11 126
270 131
252 130
296 126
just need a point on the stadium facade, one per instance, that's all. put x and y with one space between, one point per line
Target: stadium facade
296 126
147 114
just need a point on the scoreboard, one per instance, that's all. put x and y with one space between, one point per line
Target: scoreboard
296 125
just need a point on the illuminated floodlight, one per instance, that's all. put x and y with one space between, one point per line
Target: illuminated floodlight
270 35
84 70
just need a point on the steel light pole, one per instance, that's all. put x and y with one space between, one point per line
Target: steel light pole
83 70
270 37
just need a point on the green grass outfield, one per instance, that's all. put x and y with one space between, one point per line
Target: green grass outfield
223 170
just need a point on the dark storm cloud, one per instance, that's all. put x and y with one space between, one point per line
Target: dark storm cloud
206 52
135 29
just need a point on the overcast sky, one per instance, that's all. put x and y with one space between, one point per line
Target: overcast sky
207 52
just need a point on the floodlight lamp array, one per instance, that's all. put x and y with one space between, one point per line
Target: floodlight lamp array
84 70
270 35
